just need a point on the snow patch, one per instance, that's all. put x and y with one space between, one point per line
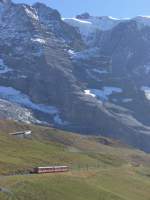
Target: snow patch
31 13
39 40
3 68
89 93
89 27
85 27
104 93
16 112
92 23
15 96
146 90
76 21
100 71
71 52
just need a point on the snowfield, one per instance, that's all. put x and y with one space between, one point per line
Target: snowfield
98 71
85 27
71 52
16 112
15 96
103 94
39 40
89 93
91 24
88 27
146 90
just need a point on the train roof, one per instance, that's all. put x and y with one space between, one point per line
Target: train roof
51 167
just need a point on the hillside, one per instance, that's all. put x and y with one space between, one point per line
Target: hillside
95 162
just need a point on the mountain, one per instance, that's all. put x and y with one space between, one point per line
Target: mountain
86 74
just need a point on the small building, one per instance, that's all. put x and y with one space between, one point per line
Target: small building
22 134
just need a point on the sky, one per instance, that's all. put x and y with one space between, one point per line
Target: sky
114 8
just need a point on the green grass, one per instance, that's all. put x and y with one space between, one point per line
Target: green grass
107 184
56 187
98 171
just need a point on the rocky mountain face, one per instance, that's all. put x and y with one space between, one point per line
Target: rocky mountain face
85 74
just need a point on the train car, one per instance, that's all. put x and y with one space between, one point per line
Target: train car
50 169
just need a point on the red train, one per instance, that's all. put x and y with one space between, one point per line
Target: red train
50 169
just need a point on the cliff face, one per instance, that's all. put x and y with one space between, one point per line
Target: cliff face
49 71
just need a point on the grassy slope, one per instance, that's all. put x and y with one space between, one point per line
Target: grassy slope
100 172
